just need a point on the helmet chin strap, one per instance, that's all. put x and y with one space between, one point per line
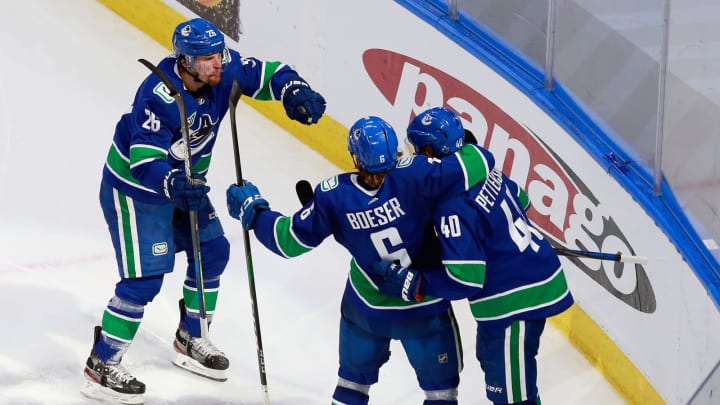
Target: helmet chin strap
195 75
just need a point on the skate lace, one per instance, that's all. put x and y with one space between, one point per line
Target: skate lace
119 374
205 348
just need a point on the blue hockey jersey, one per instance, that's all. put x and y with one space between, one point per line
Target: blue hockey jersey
492 255
148 140
384 224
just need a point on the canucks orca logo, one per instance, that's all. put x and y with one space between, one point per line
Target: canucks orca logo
201 133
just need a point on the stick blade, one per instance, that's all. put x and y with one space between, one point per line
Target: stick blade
304 191
235 93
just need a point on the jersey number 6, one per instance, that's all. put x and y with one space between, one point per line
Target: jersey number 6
392 236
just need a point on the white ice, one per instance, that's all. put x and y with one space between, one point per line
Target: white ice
69 70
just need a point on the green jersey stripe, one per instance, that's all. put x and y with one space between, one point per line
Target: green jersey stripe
474 164
466 272
369 293
119 165
524 199
525 298
203 164
264 93
286 240
145 153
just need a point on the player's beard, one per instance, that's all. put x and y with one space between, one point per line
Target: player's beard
212 80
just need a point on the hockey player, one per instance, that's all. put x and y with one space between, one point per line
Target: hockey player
370 213
145 197
491 255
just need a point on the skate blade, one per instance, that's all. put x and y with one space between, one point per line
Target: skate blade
93 390
193 366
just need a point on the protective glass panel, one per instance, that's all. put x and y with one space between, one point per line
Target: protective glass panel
606 54
691 145
520 22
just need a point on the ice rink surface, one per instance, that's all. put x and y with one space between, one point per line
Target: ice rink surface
70 70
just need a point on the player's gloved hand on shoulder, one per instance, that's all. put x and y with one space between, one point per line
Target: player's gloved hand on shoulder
302 103
398 281
188 196
244 202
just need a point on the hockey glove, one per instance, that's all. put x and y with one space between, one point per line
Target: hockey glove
244 202
302 103
398 281
188 196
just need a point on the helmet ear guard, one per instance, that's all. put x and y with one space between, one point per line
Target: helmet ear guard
438 127
373 144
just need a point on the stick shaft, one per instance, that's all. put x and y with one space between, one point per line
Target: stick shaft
235 94
616 257
194 229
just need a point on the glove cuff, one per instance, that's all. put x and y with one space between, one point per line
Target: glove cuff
247 202
290 86
168 182
411 287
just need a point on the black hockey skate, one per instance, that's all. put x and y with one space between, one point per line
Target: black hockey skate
110 382
198 355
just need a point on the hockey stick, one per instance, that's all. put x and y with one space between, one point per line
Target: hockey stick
194 231
304 191
615 257
235 94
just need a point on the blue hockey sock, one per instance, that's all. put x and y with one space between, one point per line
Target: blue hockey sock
109 350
